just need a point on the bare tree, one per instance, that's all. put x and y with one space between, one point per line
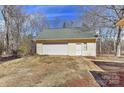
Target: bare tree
4 12
112 18
64 25
105 17
19 25
56 21
14 18
37 23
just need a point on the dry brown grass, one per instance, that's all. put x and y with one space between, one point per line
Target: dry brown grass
45 70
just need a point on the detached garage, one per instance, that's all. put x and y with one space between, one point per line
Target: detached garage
66 42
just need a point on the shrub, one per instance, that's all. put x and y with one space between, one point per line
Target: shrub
25 47
1 48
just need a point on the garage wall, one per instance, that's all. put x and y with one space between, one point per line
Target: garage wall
39 48
87 49
84 49
55 49
71 49
91 49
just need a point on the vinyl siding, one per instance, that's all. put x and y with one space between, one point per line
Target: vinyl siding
90 50
71 49
39 48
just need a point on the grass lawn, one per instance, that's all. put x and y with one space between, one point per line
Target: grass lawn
48 71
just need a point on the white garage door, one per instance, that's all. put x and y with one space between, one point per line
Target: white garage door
78 49
55 49
81 49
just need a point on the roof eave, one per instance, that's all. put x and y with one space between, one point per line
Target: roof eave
74 40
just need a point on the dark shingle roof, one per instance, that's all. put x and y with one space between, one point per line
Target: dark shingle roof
65 34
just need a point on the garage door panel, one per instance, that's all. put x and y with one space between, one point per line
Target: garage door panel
55 49
78 49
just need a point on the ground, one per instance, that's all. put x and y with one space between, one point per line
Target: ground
59 71
47 71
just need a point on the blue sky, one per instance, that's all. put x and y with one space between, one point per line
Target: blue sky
66 12
62 12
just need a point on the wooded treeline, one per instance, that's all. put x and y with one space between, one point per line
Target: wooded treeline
103 19
20 28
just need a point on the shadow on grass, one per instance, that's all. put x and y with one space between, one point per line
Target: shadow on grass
8 58
109 79
113 75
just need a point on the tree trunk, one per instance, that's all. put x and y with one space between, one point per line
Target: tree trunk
100 50
114 47
118 50
7 42
118 43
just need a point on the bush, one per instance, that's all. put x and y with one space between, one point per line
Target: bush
1 48
25 47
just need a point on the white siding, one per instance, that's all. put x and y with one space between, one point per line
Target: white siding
86 49
39 49
55 49
91 49
72 49
79 49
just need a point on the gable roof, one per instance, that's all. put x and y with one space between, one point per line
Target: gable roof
49 34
